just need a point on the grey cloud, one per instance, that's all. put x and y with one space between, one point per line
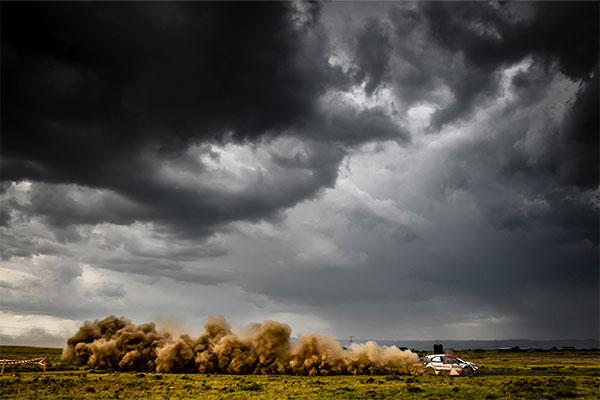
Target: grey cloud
454 271
178 253
66 272
184 210
17 245
5 215
354 127
34 337
7 285
50 295
469 88
65 205
515 164
63 306
395 230
531 85
334 286
110 289
157 268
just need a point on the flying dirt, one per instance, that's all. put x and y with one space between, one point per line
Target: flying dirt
118 344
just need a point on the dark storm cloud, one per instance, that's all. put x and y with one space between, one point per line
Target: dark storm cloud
422 65
61 208
580 140
488 36
372 54
492 34
546 165
93 90
146 129
121 77
162 73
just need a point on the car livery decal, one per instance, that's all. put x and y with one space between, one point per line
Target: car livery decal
439 365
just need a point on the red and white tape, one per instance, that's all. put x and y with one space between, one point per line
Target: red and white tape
36 361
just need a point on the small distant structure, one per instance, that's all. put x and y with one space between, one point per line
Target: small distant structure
349 342
510 349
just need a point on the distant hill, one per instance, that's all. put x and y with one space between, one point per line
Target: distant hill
487 344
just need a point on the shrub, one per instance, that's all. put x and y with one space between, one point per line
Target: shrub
250 386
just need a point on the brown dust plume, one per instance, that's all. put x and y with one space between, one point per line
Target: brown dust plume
117 344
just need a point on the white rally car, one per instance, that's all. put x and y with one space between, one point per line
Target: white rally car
446 364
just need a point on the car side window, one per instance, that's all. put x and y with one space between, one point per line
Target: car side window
450 360
436 359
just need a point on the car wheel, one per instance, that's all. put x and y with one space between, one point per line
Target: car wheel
430 371
468 371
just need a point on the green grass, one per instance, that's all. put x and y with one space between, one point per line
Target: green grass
525 375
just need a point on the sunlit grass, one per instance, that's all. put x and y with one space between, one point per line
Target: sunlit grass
525 375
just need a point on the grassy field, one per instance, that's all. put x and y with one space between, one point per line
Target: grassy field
520 375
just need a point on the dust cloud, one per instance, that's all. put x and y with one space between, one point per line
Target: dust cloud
117 344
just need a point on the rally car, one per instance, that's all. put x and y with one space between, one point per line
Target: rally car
446 364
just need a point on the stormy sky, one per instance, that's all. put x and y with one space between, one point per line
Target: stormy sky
390 170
